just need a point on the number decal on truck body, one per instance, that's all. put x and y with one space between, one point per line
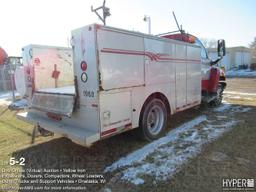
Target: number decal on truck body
87 93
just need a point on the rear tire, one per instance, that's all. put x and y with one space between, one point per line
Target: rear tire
153 119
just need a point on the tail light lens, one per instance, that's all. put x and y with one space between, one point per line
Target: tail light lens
83 65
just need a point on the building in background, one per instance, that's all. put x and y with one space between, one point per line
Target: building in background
236 57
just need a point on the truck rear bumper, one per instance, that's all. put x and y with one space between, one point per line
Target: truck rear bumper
76 134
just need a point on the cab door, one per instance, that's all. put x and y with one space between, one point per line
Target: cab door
205 61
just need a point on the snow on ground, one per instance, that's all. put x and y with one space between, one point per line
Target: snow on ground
142 153
6 97
241 73
222 108
238 109
160 159
18 104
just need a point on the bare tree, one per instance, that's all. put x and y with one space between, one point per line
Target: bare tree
252 45
209 43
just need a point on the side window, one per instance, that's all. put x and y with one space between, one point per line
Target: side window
203 50
203 53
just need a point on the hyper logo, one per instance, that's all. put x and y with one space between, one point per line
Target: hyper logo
237 184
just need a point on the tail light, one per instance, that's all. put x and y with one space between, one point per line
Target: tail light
83 66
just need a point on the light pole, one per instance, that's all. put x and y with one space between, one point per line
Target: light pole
147 19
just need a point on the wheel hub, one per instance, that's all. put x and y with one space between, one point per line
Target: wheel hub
155 120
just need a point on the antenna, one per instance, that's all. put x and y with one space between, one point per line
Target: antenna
105 10
179 26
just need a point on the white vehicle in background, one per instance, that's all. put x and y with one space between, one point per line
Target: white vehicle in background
122 80
44 67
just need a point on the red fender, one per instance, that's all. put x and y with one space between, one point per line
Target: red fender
214 79
211 85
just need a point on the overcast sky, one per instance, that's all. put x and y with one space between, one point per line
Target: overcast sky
50 22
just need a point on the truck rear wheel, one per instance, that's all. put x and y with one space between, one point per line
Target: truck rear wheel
153 119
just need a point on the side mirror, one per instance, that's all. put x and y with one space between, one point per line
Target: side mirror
221 48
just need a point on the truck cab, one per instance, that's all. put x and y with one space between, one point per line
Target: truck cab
213 78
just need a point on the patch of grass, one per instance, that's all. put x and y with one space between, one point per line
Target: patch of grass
205 174
13 133
57 153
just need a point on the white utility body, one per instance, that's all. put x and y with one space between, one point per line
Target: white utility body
116 73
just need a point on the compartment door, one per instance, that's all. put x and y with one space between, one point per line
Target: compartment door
121 59
181 76
115 112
